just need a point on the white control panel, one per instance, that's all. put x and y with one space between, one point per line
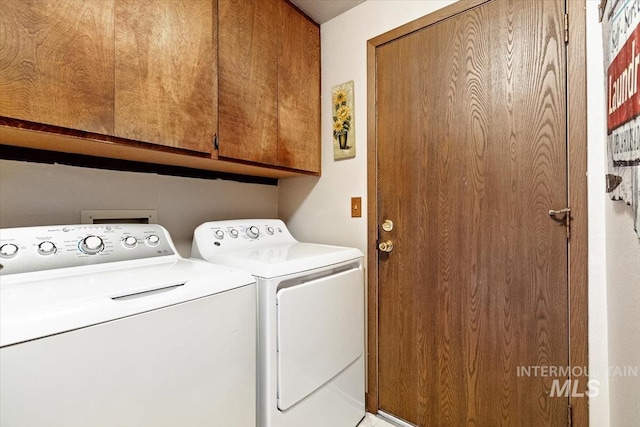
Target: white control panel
264 248
240 234
28 249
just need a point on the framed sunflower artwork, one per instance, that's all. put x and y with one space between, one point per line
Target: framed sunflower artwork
344 130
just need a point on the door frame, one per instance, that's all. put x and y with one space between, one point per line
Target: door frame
577 194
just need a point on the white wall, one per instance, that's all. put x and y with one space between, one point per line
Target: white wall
614 289
318 209
623 282
42 194
598 332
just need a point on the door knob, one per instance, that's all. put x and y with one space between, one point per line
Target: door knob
386 246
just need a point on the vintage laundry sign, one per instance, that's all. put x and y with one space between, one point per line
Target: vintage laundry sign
621 31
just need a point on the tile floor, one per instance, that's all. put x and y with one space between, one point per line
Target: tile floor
371 420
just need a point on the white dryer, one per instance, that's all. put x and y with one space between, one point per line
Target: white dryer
310 321
106 325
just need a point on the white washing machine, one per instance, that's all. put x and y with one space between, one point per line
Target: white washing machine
106 325
310 321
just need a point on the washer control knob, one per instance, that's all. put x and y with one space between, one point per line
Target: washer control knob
253 232
130 242
47 248
234 233
219 234
153 240
8 250
91 245
270 231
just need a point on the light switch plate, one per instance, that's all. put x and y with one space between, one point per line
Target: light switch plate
356 207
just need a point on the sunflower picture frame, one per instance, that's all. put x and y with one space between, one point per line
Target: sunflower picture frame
344 130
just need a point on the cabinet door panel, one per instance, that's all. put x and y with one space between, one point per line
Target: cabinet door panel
56 63
298 92
248 79
164 72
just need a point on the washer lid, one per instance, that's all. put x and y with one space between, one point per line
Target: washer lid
275 261
32 307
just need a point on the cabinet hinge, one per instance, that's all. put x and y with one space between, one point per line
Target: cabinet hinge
215 142
566 28
570 415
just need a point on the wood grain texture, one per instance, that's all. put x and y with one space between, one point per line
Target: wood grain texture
371 391
471 154
164 72
298 91
248 79
578 245
56 62
32 135
214 76
446 12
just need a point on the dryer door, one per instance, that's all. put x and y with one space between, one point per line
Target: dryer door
320 332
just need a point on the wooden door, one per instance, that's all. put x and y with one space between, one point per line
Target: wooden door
56 63
248 80
165 71
471 156
298 91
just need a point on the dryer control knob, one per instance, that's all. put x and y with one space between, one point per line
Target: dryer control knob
234 233
91 245
253 232
270 231
219 234
8 250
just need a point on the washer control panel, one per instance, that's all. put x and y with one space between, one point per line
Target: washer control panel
28 249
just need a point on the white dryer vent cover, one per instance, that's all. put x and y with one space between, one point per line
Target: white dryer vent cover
119 216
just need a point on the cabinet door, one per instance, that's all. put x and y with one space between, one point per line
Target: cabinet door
56 63
248 79
298 91
164 72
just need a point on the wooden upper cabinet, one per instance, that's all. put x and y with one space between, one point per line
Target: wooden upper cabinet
165 72
269 84
248 80
56 63
298 91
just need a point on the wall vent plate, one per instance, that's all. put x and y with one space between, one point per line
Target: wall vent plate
119 216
